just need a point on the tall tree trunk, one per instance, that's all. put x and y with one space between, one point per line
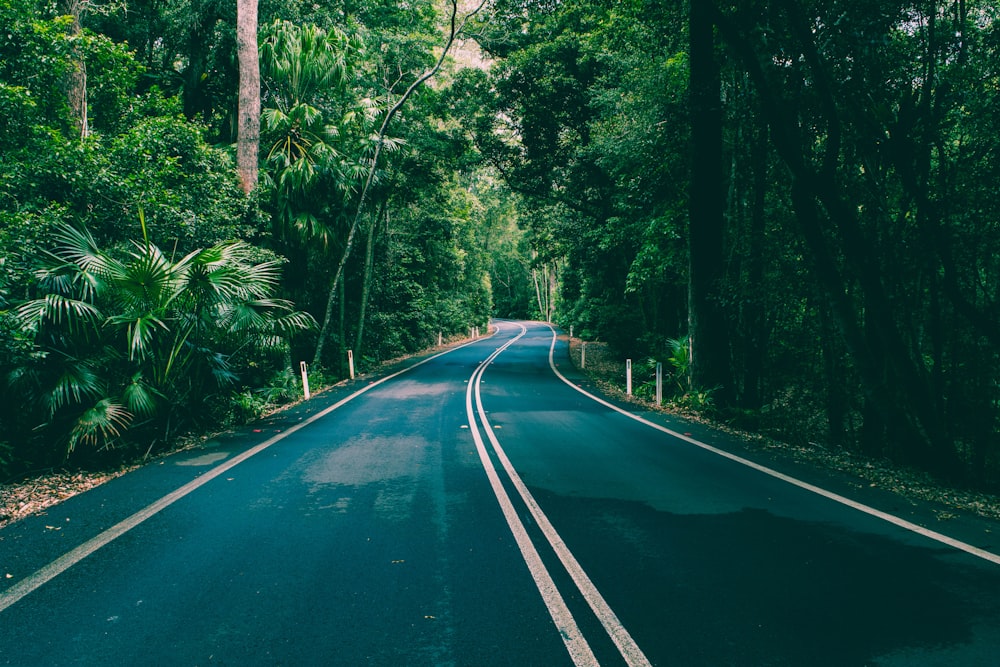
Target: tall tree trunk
248 112
544 288
835 379
366 284
706 319
554 289
341 326
76 83
754 315
549 290
538 292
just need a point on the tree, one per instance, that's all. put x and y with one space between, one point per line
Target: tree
317 127
708 329
456 24
76 86
584 115
248 136
827 203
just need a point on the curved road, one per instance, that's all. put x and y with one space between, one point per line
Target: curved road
478 508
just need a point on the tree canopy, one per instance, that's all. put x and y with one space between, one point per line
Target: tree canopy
791 203
801 191
144 293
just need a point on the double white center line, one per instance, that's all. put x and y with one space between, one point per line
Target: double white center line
576 643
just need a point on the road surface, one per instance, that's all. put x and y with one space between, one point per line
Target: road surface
478 508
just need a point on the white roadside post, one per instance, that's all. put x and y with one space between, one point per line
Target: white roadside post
583 354
440 339
571 331
305 380
628 377
350 363
659 383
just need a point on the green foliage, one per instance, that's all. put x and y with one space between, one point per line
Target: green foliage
186 187
680 360
584 114
697 400
16 109
316 127
678 390
854 272
38 52
115 341
139 153
131 333
112 78
185 49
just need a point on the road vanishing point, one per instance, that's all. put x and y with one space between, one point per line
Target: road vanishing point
485 506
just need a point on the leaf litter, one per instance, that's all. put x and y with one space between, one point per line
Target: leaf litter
36 494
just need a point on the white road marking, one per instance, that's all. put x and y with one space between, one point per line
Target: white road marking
853 504
49 572
579 650
629 650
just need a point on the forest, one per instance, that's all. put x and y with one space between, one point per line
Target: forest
793 204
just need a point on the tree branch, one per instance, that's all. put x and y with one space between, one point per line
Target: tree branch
456 26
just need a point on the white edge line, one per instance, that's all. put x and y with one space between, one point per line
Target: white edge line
45 574
853 504
629 650
576 644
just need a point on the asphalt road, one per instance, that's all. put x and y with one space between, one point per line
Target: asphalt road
479 510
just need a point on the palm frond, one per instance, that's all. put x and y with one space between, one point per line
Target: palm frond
139 333
295 322
74 314
147 283
224 377
308 226
274 120
219 282
227 272
305 115
243 317
392 144
77 382
271 343
217 364
140 398
77 246
102 423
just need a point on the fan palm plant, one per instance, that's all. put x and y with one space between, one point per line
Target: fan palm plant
319 131
136 334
